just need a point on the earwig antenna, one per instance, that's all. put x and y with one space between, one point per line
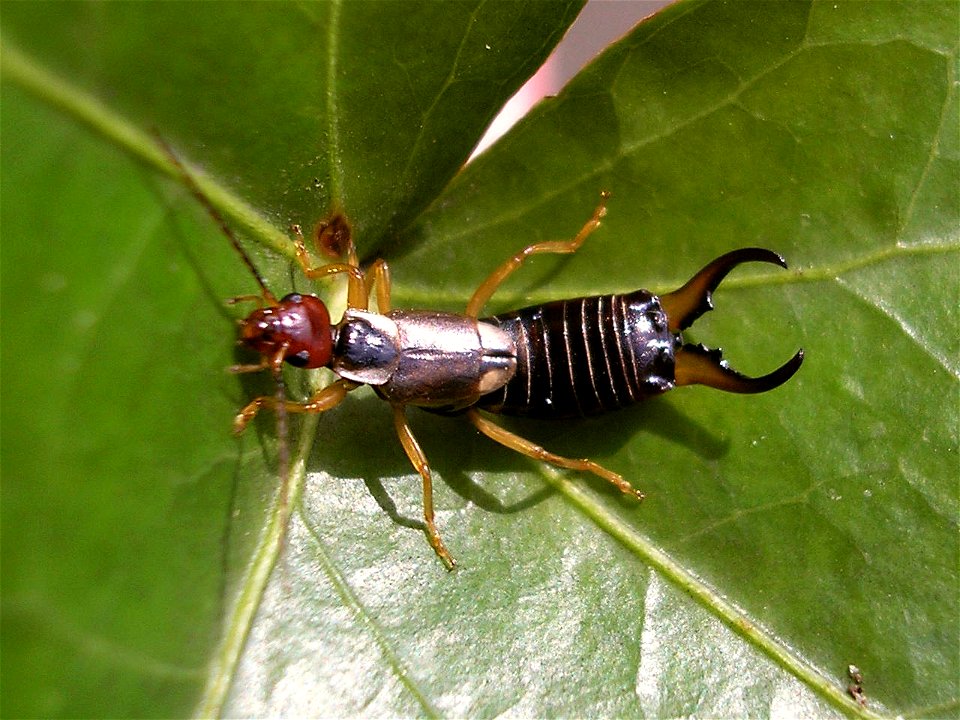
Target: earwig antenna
218 218
283 452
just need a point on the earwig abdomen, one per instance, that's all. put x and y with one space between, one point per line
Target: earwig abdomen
585 356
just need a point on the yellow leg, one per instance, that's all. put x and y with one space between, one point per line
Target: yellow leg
530 449
356 291
419 462
258 299
496 278
321 401
379 276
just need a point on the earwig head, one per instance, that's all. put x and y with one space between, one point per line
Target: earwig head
298 326
695 364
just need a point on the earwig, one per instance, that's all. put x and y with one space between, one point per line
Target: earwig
557 360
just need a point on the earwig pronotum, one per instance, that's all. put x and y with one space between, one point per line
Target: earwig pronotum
562 359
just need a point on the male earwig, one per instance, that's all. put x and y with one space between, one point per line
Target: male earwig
557 360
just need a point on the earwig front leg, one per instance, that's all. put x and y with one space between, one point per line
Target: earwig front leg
489 286
379 275
258 299
530 449
250 368
419 462
324 399
267 362
356 292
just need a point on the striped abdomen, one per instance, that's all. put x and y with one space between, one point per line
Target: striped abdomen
585 356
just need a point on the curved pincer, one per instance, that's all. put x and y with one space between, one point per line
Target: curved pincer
698 365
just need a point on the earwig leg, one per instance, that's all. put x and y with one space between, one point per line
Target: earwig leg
379 276
496 278
356 293
325 399
419 462
258 299
334 239
249 368
530 449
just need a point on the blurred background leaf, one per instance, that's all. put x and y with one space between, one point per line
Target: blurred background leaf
784 537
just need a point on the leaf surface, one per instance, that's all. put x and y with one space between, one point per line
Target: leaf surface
784 536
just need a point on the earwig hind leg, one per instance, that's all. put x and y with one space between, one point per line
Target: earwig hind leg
356 289
419 461
489 286
531 449
324 399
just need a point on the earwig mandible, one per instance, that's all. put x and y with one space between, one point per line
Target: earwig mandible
562 359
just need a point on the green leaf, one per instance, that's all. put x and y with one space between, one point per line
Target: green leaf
784 536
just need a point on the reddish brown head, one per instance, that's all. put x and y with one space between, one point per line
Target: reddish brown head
297 327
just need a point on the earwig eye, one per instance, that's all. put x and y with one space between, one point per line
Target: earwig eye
300 359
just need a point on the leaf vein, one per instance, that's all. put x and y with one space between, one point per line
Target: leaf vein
727 612
886 311
948 103
332 100
350 600
94 644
